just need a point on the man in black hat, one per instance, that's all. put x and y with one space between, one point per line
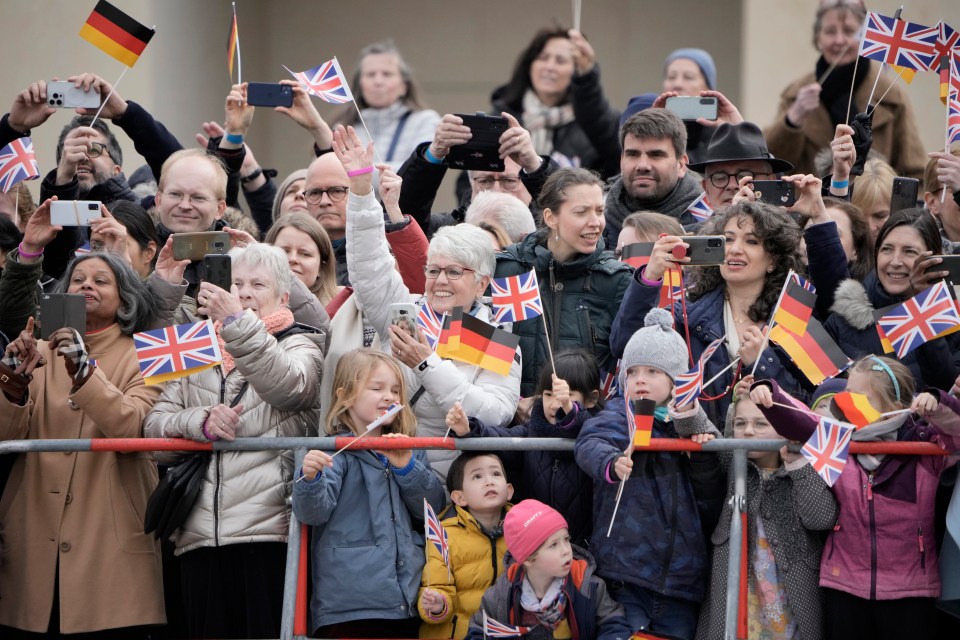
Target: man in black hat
737 155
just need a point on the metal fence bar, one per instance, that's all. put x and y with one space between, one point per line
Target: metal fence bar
293 565
739 503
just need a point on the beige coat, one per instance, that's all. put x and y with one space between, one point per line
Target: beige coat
895 133
83 510
245 494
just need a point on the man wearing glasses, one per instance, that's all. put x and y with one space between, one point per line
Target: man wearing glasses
325 192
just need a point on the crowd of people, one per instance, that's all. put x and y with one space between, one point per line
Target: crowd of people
603 541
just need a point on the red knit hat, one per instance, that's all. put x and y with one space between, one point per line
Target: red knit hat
528 525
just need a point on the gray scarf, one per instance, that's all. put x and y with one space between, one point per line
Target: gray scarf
541 120
882 431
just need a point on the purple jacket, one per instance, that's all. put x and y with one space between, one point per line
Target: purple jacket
883 546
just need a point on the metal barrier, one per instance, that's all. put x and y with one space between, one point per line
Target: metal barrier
294 626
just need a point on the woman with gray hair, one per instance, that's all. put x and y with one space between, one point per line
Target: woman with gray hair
58 509
458 268
232 546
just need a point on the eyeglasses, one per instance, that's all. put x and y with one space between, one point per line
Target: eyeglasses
197 200
720 179
336 194
96 150
507 183
759 424
452 272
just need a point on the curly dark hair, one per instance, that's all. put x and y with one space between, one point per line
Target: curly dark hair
780 236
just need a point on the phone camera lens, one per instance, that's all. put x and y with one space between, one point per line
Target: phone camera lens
714 243
59 102
218 245
706 101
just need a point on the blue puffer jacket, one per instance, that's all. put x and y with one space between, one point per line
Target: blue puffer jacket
367 555
705 320
552 477
657 541
934 364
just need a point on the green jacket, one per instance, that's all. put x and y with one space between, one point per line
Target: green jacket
19 293
580 299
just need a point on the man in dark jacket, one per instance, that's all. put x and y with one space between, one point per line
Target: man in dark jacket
653 172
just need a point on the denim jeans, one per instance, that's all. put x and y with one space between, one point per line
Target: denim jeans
654 612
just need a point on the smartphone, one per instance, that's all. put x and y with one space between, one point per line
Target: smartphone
194 246
404 315
268 94
777 192
949 263
74 213
904 194
217 271
59 310
63 95
706 250
482 152
693 107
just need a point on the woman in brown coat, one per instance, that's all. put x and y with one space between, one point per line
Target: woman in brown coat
76 559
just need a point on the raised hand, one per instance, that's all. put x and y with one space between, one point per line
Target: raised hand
167 268
305 114
661 258
239 114
515 143
727 112
806 102
113 235
449 133
115 106
39 232
584 57
390 184
26 350
457 420
357 161
75 147
30 108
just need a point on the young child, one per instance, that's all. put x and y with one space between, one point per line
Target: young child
480 492
366 558
787 501
879 567
549 586
655 560
565 401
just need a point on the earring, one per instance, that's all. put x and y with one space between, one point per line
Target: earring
769 269
557 236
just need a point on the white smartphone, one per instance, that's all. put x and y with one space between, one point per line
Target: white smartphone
693 107
64 95
74 213
404 315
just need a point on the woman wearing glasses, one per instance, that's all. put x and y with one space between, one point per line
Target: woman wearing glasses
459 264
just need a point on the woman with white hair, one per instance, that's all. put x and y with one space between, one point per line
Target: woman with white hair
459 265
232 546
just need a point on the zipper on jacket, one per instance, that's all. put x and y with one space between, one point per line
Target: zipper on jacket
557 304
216 485
553 479
493 557
873 538
923 555
673 532
591 333
453 630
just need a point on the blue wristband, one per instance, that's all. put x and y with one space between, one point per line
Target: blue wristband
233 138
432 159
837 184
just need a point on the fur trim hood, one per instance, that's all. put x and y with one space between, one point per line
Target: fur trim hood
852 303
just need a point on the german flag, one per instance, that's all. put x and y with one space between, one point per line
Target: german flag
815 352
854 408
884 340
795 308
232 44
449 340
116 33
672 288
483 345
636 255
641 412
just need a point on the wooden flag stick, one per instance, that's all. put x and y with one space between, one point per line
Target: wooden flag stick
946 139
109 95
863 34
883 65
546 333
370 137
631 433
899 75
826 74
722 371
766 335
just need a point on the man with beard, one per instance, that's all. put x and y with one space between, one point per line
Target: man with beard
653 172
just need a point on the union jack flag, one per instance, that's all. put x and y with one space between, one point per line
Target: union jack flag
494 629
17 162
435 532
953 120
325 81
953 86
947 39
919 319
608 382
516 298
430 324
828 448
180 349
700 210
689 385
803 282
899 42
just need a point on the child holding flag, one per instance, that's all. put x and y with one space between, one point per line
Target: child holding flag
366 559
655 560
550 589
449 595
879 568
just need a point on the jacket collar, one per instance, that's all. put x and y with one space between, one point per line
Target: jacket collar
533 251
705 318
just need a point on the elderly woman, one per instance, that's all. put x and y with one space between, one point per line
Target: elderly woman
459 265
76 559
232 546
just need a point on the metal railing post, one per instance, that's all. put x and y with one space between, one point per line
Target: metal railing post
293 564
739 503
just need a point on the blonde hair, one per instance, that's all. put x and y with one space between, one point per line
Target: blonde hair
219 185
325 286
352 373
874 188
896 390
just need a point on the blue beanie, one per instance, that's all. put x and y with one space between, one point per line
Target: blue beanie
636 105
703 59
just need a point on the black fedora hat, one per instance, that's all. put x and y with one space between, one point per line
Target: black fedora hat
733 142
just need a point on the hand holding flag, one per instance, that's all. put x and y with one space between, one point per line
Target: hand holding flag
17 163
435 533
828 448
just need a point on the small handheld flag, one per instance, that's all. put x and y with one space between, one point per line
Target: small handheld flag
429 324
451 326
795 308
854 408
672 288
176 352
391 411
494 629
640 414
480 344
115 33
828 448
898 42
435 533
637 254
516 298
233 46
17 163
700 209
803 282
919 319
688 386
325 81
815 352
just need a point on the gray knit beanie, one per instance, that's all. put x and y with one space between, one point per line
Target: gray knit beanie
656 345
703 59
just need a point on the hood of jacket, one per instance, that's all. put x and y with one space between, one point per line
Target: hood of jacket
856 302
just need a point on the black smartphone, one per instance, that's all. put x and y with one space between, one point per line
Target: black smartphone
217 271
268 94
482 152
904 194
949 263
706 250
59 310
777 192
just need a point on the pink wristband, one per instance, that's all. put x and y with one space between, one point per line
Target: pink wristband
26 254
360 172
647 281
